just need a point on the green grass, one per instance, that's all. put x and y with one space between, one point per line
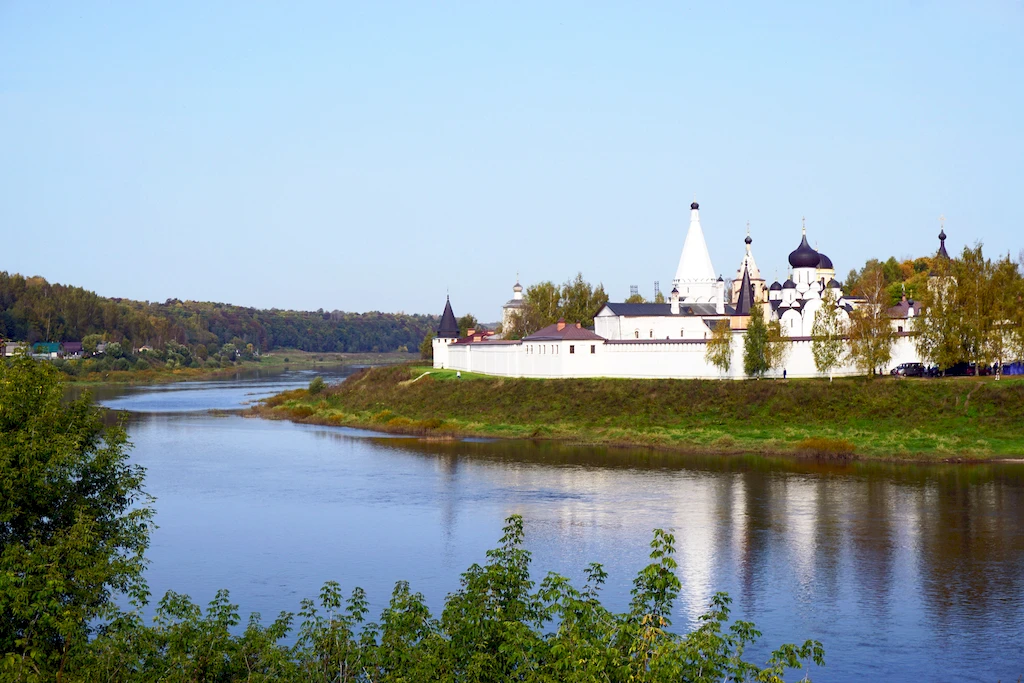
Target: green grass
939 419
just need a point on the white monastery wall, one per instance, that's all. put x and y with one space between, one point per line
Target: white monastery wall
631 359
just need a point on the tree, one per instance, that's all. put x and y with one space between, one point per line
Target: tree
466 323
90 342
719 348
545 303
427 347
74 521
777 349
659 298
937 330
635 299
755 345
871 333
580 301
827 343
1005 296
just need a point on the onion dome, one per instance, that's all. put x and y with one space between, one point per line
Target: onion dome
803 256
789 285
675 290
747 239
942 253
517 287
834 284
824 262
776 287
695 206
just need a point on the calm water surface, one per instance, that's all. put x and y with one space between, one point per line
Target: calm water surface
904 572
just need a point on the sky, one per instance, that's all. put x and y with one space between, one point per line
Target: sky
379 156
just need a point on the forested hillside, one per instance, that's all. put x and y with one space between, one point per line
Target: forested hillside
32 309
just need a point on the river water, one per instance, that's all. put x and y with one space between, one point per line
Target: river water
904 572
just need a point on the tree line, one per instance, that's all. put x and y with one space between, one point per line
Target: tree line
32 309
970 309
75 523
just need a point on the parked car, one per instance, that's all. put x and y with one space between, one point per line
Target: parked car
908 370
960 370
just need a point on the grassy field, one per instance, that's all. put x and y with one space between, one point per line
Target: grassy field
284 359
955 419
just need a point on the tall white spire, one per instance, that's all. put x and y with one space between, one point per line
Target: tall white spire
695 276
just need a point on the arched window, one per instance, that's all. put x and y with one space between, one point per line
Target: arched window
636 333
652 334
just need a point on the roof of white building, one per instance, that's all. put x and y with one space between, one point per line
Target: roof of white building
695 261
563 332
653 310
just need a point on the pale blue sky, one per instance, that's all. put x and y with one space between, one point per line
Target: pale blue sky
374 156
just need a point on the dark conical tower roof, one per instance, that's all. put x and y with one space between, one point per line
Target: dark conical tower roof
449 327
745 299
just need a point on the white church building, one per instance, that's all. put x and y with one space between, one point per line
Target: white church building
669 340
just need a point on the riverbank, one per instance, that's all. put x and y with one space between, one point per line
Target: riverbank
284 359
953 420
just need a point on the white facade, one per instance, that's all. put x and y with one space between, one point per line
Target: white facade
671 359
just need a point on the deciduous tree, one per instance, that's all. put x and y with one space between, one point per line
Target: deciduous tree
827 335
871 332
719 348
755 345
74 522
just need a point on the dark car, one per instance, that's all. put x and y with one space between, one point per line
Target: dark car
960 370
908 370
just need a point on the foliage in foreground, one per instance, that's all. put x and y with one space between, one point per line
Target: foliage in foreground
499 626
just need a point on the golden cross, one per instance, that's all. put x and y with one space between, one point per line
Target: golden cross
942 219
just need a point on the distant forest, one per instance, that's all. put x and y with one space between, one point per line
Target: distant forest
32 309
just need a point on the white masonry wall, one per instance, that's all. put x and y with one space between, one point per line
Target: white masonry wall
631 359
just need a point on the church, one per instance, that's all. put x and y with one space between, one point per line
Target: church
669 340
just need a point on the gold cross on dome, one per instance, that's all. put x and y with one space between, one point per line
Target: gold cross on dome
942 221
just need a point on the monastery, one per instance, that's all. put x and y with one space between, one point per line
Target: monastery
669 340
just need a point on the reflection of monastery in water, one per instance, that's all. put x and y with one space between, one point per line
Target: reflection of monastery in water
670 339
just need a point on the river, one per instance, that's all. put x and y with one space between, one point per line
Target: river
904 572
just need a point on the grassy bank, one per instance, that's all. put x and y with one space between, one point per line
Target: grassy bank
938 419
286 359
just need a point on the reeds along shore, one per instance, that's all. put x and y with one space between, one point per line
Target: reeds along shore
955 419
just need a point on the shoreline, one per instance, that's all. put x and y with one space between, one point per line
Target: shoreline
402 400
297 360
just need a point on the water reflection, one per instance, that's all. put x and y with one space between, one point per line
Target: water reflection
904 571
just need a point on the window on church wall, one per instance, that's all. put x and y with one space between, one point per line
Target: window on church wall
572 349
652 334
593 348
636 333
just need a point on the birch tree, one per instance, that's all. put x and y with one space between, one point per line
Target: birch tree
827 342
719 348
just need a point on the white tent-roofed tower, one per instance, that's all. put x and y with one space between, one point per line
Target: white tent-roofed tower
695 277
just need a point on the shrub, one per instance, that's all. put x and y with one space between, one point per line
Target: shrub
317 385
141 365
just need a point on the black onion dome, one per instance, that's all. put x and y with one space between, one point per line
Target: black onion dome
776 287
803 256
695 206
942 253
834 284
824 262
747 240
789 285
